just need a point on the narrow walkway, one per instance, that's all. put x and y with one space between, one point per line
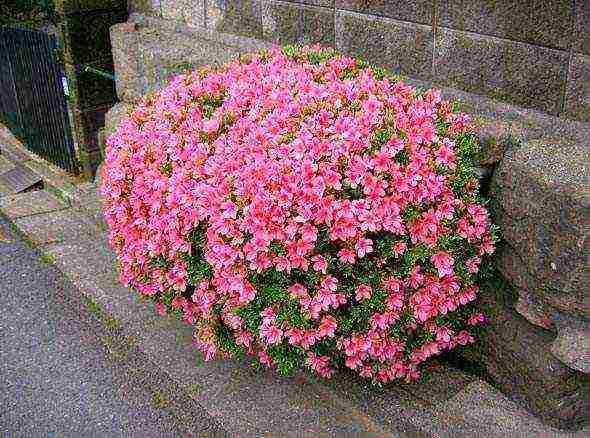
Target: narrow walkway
56 377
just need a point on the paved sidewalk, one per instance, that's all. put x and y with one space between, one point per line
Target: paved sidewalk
57 379
240 401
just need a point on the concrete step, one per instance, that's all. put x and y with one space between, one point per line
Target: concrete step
20 179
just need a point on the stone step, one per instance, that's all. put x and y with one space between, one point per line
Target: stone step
20 179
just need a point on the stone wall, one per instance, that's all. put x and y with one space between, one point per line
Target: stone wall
533 53
538 347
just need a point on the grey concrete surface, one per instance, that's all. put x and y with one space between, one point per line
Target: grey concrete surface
55 376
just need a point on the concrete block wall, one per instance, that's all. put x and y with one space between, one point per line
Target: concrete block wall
533 53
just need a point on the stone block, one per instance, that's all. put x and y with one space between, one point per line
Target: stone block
572 344
125 48
57 227
541 22
582 33
239 17
543 191
392 44
30 203
577 95
417 11
285 23
114 116
165 53
190 12
510 71
324 3
172 9
518 358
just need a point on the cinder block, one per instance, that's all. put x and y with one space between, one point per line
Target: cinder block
577 96
389 43
543 22
515 72
285 23
417 11
125 46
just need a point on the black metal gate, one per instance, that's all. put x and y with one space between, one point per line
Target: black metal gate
32 97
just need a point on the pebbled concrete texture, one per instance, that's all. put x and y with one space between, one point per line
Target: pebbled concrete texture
56 376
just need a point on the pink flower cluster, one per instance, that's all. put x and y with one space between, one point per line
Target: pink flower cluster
268 153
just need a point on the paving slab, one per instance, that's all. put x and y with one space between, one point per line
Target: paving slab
5 164
86 256
57 227
30 203
20 178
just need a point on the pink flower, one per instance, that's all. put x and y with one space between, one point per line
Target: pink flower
399 248
363 291
473 264
319 264
476 318
161 309
327 327
259 191
443 262
364 246
347 256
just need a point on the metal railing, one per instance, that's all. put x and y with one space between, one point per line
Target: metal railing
32 97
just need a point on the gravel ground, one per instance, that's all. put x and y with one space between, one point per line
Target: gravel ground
56 376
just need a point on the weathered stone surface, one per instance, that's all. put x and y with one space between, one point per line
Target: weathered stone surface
285 23
547 231
572 344
240 17
57 227
29 203
190 12
418 11
518 358
517 72
577 95
388 43
166 53
533 311
117 113
125 48
582 33
543 22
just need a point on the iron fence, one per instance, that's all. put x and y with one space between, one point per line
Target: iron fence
32 95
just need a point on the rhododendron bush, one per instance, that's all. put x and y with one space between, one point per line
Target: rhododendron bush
303 209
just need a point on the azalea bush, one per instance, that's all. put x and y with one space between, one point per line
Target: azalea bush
303 209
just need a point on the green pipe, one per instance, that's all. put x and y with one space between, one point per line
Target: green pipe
104 74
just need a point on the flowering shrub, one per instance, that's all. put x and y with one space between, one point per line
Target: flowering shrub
302 208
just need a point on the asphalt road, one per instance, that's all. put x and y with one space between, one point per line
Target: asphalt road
55 378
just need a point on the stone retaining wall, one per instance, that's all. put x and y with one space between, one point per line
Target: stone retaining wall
533 53
538 349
